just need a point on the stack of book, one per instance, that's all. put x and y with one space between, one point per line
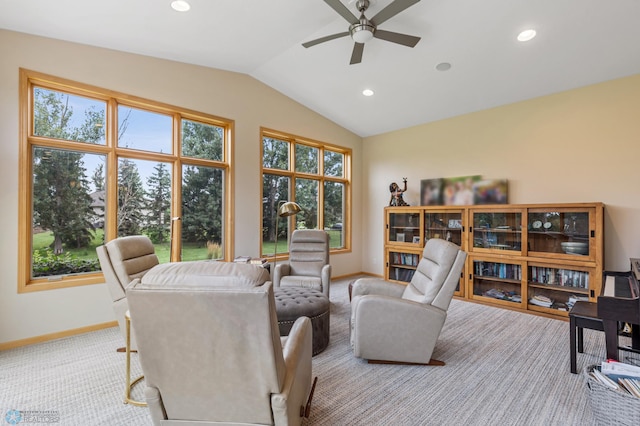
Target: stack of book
261 261
618 376
540 300
576 298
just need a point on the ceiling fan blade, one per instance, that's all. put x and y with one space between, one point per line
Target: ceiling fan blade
404 39
356 56
325 38
392 10
342 10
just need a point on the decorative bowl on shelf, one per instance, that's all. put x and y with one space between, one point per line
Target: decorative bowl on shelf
574 247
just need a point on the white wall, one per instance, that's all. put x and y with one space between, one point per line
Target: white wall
230 95
581 145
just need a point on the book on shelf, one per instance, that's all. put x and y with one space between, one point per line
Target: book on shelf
258 261
242 259
540 300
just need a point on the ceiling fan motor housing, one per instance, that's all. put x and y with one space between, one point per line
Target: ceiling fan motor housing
362 31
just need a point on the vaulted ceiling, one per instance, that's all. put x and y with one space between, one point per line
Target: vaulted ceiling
578 42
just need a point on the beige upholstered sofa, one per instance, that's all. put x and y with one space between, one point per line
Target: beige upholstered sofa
308 262
210 347
122 260
398 323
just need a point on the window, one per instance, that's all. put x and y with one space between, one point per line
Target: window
316 176
96 165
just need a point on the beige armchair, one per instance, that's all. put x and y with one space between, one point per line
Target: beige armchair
122 260
396 323
211 351
308 262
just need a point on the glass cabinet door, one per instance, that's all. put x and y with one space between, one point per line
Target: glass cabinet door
499 281
443 224
561 232
401 266
497 230
403 227
555 288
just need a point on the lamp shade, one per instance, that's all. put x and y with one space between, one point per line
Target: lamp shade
289 209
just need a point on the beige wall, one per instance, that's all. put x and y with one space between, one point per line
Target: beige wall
230 95
580 145
577 146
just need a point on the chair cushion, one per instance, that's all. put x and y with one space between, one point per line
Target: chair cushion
308 251
432 271
203 273
301 281
131 257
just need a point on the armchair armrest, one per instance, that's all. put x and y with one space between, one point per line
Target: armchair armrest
281 270
364 286
326 279
297 353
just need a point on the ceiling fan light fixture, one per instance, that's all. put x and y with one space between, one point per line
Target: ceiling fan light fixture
362 33
367 92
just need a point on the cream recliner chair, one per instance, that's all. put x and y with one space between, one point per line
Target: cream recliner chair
308 262
211 351
397 323
122 260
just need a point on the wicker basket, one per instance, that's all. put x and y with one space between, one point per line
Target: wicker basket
611 407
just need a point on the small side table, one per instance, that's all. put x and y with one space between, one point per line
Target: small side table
582 315
129 384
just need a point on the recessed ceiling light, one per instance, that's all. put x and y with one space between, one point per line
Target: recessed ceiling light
526 35
367 92
443 66
180 5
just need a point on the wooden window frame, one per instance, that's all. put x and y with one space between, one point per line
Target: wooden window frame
292 174
30 79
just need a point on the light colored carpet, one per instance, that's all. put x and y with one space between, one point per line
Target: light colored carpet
503 368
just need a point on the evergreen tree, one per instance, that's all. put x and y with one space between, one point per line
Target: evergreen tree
97 178
158 204
202 204
130 199
274 188
61 200
202 187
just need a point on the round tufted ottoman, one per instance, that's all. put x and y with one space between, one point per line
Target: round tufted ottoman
295 302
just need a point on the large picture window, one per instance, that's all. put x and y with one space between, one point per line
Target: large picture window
313 174
96 165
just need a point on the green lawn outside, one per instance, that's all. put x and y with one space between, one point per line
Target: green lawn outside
190 251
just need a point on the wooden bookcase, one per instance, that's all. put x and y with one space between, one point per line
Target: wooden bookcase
538 258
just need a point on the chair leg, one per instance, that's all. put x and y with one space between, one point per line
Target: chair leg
572 343
306 410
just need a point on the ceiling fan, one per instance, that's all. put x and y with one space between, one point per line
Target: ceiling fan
362 29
